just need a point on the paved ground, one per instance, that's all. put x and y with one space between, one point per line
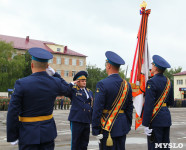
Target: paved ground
135 140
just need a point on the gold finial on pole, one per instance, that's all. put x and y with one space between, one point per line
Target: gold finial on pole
143 4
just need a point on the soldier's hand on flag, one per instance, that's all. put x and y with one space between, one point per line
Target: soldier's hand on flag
147 131
50 71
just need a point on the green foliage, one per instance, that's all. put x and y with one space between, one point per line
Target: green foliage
27 69
12 67
96 74
170 72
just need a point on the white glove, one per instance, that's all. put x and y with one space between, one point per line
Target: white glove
15 142
50 71
147 131
99 136
74 82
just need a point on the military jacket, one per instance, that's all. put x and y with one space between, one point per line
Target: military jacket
106 92
34 96
154 88
81 110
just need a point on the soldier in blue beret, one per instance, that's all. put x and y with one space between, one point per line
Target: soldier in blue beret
158 96
113 107
29 120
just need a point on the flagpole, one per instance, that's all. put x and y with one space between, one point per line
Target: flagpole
140 69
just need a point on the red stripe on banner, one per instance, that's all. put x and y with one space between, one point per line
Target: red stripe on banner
134 67
134 62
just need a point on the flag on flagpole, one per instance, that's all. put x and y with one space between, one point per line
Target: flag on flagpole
141 66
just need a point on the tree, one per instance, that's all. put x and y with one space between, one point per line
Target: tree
27 70
96 74
169 73
11 66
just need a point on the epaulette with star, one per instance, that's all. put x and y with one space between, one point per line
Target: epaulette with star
88 90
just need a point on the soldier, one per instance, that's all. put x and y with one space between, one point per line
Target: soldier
29 119
62 99
159 95
113 106
65 103
80 112
55 104
1 105
59 104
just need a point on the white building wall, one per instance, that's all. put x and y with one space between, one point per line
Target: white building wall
178 84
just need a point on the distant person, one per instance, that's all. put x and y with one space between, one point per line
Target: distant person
30 121
158 96
62 99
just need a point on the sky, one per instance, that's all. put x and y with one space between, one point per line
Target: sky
92 27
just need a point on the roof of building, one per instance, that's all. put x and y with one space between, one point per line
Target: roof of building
26 43
180 73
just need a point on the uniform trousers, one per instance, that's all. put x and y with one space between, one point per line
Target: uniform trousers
80 135
118 143
43 146
161 136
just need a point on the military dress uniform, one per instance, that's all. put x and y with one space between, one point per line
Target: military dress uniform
29 117
106 92
160 125
80 114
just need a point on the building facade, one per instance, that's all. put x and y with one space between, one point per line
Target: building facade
180 85
65 61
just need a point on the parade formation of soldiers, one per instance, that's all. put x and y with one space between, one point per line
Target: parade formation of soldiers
31 125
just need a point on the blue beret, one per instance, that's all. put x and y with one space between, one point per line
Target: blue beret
80 75
114 59
39 54
160 62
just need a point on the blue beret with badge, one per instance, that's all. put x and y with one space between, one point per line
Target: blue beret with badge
39 54
160 62
81 75
114 59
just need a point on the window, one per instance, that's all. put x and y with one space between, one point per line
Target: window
80 62
50 61
58 60
58 71
66 73
74 62
73 73
179 82
66 61
58 49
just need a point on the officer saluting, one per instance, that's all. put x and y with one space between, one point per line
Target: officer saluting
29 119
113 106
81 112
159 95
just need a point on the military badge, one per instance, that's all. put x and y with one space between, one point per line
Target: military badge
97 90
78 93
148 87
